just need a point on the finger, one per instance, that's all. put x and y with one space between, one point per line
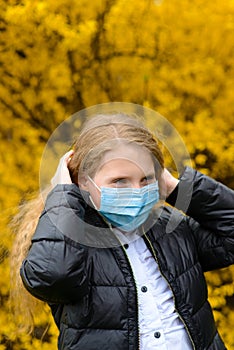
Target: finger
68 156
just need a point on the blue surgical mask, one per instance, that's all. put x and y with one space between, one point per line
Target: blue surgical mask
127 208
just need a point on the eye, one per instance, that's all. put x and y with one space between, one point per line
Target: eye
120 182
148 179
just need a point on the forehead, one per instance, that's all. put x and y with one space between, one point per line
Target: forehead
132 155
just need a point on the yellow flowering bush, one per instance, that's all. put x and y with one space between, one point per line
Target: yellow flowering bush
58 57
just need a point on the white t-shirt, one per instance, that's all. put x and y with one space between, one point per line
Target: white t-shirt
160 325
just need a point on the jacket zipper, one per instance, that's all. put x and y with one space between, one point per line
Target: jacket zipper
126 255
138 326
181 318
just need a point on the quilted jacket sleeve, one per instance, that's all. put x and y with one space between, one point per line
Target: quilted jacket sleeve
54 269
207 201
210 204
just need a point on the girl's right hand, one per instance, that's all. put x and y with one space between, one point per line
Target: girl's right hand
62 175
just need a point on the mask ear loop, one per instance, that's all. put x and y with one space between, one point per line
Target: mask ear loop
98 188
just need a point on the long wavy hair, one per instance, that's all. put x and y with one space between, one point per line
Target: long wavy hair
96 138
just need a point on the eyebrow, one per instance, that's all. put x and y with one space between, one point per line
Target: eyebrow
150 175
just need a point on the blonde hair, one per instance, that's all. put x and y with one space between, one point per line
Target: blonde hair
94 140
105 132
23 226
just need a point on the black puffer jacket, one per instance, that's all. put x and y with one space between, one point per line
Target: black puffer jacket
91 290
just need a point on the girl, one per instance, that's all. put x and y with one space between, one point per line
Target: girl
101 255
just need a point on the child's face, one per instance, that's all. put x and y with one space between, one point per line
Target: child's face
130 166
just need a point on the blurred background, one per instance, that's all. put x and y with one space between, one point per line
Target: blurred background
58 57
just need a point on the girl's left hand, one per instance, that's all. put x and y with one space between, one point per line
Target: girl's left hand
167 183
62 175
